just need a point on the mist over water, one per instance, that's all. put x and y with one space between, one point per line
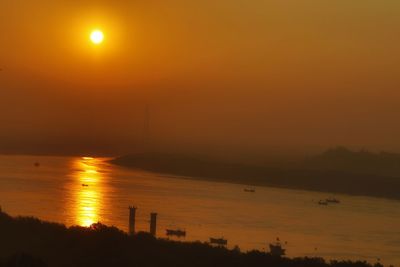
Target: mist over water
82 191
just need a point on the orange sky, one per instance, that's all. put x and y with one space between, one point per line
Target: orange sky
228 74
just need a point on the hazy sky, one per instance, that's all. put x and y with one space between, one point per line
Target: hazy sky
225 75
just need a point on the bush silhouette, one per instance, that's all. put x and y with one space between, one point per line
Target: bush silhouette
29 242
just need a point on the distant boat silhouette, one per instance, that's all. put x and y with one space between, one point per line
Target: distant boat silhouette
177 232
36 164
249 190
218 241
323 202
332 200
85 185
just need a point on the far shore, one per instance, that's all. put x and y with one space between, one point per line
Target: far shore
329 181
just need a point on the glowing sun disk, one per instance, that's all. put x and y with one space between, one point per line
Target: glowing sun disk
97 37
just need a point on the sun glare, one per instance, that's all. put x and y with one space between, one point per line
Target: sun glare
97 37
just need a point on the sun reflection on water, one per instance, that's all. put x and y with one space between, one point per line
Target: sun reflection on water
87 189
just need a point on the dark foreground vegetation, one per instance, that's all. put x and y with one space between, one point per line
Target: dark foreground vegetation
337 170
29 242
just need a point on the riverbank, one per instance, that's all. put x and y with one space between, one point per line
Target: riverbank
293 177
32 242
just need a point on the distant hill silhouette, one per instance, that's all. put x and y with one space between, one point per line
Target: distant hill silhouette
362 162
29 242
337 170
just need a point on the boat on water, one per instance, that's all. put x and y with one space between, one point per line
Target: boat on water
249 190
323 202
218 241
276 249
332 200
176 232
84 185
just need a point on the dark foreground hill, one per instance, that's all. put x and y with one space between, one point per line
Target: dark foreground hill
29 242
336 171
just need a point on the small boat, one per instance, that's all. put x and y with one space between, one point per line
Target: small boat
332 200
218 241
323 202
249 190
85 185
36 164
276 249
177 232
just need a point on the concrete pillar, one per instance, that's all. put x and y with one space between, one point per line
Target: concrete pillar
153 223
132 218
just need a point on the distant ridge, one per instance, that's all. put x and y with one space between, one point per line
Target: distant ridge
337 170
363 161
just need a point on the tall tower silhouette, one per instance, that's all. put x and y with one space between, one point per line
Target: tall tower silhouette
132 218
146 128
153 223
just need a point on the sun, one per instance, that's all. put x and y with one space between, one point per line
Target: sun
97 37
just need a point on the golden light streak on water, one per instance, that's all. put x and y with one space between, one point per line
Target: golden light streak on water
88 197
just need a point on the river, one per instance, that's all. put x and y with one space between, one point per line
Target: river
85 190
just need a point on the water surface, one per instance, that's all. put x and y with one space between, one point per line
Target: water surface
82 191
